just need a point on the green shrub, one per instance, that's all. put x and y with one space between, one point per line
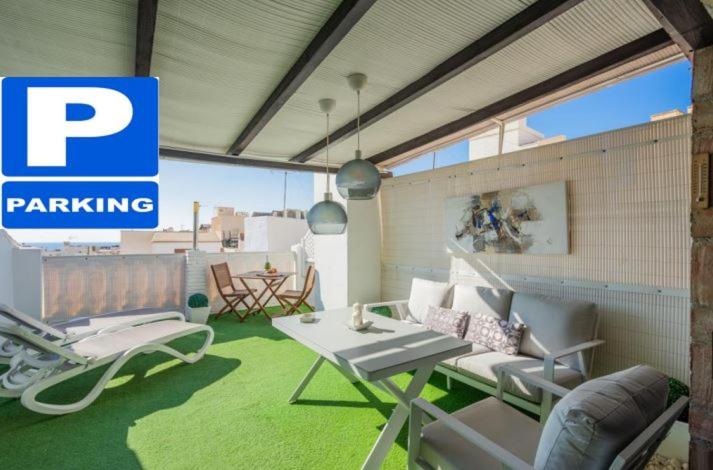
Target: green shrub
677 389
268 266
197 301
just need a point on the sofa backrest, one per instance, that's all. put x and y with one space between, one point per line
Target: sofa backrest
598 419
552 324
484 300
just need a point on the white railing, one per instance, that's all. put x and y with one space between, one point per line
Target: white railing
88 285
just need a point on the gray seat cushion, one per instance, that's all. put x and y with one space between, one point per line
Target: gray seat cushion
452 362
441 448
484 368
552 324
595 421
485 300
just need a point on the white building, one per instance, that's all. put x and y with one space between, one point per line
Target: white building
228 224
269 233
517 136
135 242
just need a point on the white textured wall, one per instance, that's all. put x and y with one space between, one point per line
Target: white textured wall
628 196
268 233
20 276
364 247
348 265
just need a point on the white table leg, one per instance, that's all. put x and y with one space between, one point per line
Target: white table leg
310 373
397 420
348 375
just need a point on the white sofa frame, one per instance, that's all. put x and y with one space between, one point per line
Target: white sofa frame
542 409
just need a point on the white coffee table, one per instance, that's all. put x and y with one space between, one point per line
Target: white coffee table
387 348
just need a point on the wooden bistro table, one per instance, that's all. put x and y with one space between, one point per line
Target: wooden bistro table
272 283
387 348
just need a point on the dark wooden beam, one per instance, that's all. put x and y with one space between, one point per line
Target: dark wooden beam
202 157
686 21
505 34
347 14
605 62
145 26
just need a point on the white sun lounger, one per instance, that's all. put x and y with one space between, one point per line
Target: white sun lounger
77 328
29 374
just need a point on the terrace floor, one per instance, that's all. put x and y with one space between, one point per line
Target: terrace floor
228 410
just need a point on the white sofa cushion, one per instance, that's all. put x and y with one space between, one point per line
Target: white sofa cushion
483 300
594 422
552 324
424 293
484 368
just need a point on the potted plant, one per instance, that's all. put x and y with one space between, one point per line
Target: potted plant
198 308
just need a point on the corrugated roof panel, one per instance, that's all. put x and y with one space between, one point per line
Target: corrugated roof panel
395 43
221 59
580 34
67 37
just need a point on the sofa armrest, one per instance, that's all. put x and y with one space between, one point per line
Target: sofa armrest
401 307
532 379
549 373
420 406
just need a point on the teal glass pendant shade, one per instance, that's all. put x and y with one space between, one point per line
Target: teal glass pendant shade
327 217
358 179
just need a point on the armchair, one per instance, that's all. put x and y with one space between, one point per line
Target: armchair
621 418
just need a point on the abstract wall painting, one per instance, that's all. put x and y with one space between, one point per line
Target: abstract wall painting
531 220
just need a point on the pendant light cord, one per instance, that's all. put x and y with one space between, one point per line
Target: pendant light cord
358 119
327 164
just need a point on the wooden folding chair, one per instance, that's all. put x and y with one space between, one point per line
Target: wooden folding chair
227 290
295 298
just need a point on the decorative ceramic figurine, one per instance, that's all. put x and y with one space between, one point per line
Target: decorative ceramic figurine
357 318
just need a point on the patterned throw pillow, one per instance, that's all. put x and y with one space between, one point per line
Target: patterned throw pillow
494 333
446 321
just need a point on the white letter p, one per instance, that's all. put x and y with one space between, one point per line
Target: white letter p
48 127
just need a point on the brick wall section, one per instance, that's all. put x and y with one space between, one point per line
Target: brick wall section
701 415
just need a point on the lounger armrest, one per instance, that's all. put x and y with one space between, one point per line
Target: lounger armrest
531 379
23 336
140 320
471 435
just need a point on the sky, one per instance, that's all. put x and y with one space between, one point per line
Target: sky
250 189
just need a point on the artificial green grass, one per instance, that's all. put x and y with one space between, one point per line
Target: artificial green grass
228 410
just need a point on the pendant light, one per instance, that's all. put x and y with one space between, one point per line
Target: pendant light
327 217
358 179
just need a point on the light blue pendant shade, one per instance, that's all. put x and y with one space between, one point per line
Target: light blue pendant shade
327 217
358 179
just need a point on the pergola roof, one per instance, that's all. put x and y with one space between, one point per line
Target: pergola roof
243 77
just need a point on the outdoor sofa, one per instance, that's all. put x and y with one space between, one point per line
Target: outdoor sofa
557 343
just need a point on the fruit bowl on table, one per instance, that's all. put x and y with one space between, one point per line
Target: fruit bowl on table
269 273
